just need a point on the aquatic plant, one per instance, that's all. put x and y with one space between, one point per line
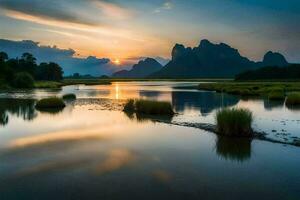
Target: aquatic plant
293 99
69 96
52 102
153 107
149 107
234 122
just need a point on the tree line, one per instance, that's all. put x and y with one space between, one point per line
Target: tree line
291 72
22 72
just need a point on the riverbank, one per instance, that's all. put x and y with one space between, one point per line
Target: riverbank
259 89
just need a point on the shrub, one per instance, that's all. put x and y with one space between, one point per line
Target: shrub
69 97
234 122
149 107
52 102
293 99
23 80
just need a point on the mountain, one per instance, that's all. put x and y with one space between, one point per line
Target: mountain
274 59
140 70
210 60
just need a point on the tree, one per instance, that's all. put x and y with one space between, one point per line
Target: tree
23 80
3 56
49 71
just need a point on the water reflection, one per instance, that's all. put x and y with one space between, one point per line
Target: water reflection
21 108
271 104
146 118
235 149
206 102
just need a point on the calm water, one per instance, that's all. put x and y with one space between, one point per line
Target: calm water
91 150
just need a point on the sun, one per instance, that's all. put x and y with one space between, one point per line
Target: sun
117 61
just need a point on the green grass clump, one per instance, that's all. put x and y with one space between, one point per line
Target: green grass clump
234 122
276 95
52 102
293 99
69 97
154 107
149 107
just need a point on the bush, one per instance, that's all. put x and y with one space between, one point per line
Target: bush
293 99
149 107
234 122
23 80
69 97
52 102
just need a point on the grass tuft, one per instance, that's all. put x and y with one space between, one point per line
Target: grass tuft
293 99
276 95
52 102
234 122
69 97
149 107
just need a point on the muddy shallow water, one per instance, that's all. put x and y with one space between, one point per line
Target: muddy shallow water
92 150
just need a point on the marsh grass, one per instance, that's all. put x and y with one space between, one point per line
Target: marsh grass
234 122
148 107
69 97
293 99
260 89
50 103
276 95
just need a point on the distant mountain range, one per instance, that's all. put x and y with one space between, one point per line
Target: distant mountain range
212 60
142 69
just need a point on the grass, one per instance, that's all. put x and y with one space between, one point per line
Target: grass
47 84
276 95
259 89
149 107
49 103
86 82
69 97
234 122
293 99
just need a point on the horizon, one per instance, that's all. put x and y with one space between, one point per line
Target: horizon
125 32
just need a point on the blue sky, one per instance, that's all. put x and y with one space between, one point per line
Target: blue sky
123 30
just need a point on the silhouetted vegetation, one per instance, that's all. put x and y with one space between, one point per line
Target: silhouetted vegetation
69 97
49 103
21 72
293 99
234 122
149 107
271 73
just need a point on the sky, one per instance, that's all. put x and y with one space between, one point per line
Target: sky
126 31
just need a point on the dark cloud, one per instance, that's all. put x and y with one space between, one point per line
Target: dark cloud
65 57
56 10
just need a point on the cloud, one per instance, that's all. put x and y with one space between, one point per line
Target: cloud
113 10
67 58
166 6
56 11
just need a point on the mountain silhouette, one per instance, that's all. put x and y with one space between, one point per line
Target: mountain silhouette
212 60
140 70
